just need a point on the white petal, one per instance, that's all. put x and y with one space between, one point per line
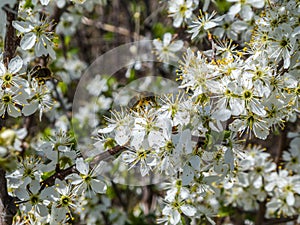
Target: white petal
108 129
13 111
30 109
45 2
236 106
290 199
187 175
261 131
21 193
82 166
235 9
23 27
156 138
209 25
222 114
257 183
256 3
28 41
137 138
176 46
40 49
122 135
177 21
42 210
158 44
60 3
98 186
167 39
35 186
128 157
195 162
188 210
175 217
15 65
2 68
229 158
144 169
246 12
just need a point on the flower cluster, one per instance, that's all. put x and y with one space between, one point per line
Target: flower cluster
237 85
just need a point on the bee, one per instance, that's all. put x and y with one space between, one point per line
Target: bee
42 74
144 101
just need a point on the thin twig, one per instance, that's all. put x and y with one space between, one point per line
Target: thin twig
62 174
110 28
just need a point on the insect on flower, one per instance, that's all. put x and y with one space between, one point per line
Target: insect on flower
42 74
144 101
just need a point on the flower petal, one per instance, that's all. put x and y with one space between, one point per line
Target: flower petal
15 65
28 41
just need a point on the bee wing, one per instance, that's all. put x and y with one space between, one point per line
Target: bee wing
34 71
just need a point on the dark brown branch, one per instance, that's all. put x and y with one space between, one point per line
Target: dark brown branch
11 39
57 13
118 195
279 220
7 207
260 216
104 156
62 174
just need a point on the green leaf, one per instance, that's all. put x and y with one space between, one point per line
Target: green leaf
28 4
222 5
46 175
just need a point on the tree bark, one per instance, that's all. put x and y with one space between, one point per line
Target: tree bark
8 208
11 40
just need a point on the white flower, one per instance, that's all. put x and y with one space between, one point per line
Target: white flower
204 22
244 7
28 170
34 199
292 156
282 45
43 2
120 123
144 157
175 205
11 102
36 34
39 99
68 24
9 77
228 27
60 141
65 200
181 10
167 48
87 179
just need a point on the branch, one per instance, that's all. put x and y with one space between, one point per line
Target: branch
104 156
110 28
11 39
280 220
62 174
7 207
57 13
260 216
